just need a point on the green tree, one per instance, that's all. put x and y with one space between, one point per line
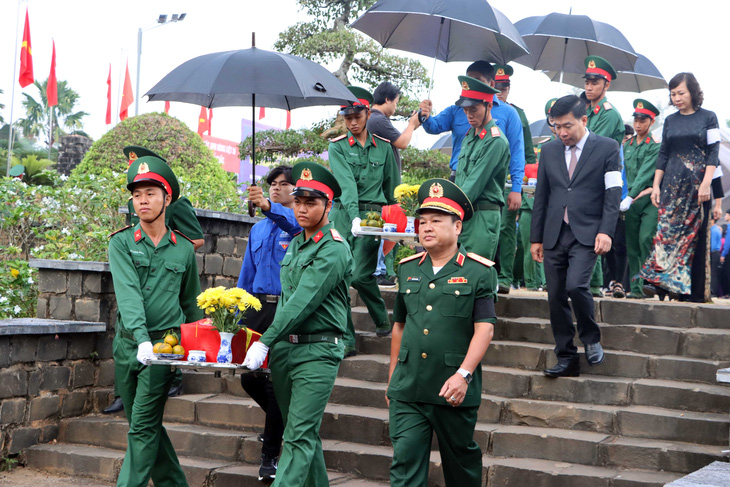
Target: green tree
2 107
36 121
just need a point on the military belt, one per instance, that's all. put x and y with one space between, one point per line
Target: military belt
484 206
154 335
315 338
267 298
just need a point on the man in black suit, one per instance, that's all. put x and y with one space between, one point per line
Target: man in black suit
573 220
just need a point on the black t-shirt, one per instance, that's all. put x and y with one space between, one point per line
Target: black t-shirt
381 126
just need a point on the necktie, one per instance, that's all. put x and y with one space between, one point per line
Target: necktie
571 170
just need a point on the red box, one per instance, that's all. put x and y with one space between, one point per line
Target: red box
202 335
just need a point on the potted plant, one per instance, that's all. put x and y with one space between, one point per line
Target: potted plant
407 197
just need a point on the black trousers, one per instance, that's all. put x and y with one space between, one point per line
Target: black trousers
725 276
616 260
716 273
568 269
260 387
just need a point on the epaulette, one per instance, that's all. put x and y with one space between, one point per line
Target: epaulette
607 106
336 235
338 138
185 236
495 131
412 257
381 138
120 230
480 259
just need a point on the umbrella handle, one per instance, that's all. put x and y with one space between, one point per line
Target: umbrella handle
251 206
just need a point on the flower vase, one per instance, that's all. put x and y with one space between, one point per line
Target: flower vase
410 226
225 354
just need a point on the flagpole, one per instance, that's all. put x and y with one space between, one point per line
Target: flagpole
50 134
12 92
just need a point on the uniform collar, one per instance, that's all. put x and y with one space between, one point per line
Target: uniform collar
139 236
457 262
485 132
352 140
599 106
320 235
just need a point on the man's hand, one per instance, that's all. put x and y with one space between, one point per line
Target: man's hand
256 196
454 389
625 204
645 192
603 244
255 356
145 353
414 121
514 201
537 252
355 226
426 106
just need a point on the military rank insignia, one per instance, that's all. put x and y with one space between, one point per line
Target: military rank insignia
457 280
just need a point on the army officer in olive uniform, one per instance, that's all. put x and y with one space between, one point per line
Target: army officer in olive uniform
482 168
156 285
305 337
444 318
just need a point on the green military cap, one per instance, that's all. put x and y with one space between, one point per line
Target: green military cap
314 180
502 72
133 152
645 108
364 97
154 170
549 105
597 67
17 171
474 92
443 195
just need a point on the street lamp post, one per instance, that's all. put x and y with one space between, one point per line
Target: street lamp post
161 20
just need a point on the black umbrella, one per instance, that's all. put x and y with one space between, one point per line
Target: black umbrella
540 130
445 144
466 30
643 77
561 42
251 77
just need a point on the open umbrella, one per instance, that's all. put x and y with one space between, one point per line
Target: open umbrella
251 77
467 30
643 77
561 42
445 144
540 130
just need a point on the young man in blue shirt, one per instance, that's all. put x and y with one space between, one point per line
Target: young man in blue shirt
267 244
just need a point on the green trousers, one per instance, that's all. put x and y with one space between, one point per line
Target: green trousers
597 276
303 376
507 243
641 225
411 427
480 234
534 271
365 257
143 389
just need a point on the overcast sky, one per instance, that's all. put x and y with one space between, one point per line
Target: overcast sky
91 34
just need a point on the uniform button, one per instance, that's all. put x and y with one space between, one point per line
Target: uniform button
456 292
136 262
153 270
429 307
408 291
148 288
569 189
425 331
424 355
155 251
432 285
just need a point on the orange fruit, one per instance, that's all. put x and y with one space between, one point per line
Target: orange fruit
156 348
171 340
165 348
178 350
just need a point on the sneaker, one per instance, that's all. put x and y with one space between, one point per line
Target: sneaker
617 290
384 281
267 470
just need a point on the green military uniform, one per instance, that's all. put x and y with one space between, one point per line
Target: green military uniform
305 338
603 119
368 175
481 172
156 289
439 312
642 217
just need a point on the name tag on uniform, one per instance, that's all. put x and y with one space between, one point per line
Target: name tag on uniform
410 279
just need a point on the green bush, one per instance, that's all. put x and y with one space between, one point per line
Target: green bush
18 290
422 164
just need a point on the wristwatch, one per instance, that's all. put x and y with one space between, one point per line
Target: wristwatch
465 374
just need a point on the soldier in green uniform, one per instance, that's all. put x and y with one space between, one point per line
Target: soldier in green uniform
508 231
156 285
305 338
444 321
365 168
603 119
640 154
482 168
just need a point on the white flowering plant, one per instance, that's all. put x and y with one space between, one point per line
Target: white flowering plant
18 290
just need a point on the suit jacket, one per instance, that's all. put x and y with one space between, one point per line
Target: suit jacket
592 208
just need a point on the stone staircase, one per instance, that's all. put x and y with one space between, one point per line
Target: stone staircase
648 415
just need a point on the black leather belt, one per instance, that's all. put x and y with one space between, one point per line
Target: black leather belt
484 206
267 298
315 338
154 335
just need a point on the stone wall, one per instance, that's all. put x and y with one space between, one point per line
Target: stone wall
72 151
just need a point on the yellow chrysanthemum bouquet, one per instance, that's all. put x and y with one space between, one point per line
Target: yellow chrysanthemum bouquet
407 197
227 307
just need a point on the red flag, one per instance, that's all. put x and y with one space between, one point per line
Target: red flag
26 56
109 96
52 86
127 96
203 121
167 107
262 113
210 121
288 119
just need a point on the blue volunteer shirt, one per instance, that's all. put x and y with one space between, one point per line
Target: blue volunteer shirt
267 244
715 238
506 118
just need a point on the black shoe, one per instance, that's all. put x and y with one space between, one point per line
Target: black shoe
116 406
383 332
618 290
175 391
564 368
594 354
503 289
350 352
385 281
267 470
260 437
